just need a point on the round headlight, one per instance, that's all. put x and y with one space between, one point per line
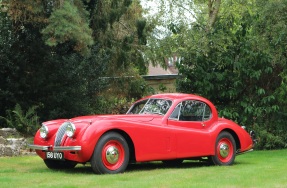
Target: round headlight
44 131
70 130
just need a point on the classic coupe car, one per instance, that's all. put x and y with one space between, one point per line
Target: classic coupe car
163 127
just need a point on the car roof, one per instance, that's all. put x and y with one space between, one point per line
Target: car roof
174 96
182 97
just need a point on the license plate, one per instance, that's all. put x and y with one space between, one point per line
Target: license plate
55 155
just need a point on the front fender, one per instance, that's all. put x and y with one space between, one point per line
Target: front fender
91 136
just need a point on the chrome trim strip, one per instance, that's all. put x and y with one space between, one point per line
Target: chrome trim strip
67 148
239 153
38 147
55 148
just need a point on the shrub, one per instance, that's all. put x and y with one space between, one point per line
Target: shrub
269 141
27 123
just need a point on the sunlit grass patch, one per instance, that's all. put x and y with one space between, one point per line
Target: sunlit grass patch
256 169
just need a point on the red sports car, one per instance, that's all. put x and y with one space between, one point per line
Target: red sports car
163 127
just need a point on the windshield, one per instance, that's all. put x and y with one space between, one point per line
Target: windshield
151 106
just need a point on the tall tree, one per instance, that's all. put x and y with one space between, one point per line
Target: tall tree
54 53
233 53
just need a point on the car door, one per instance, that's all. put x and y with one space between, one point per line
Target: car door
152 139
191 120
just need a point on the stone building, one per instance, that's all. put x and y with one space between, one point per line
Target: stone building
159 77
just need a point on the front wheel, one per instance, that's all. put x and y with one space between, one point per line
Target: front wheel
225 149
111 154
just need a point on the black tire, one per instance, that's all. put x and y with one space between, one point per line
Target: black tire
111 154
52 164
225 149
173 163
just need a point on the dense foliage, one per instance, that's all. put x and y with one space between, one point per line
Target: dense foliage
234 53
60 55
73 57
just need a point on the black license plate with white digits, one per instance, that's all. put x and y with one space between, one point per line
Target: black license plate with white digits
54 155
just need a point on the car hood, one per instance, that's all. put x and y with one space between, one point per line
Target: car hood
93 118
130 117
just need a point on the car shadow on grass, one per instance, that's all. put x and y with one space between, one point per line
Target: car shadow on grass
160 165
146 166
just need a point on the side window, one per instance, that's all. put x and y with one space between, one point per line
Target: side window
175 113
207 113
192 110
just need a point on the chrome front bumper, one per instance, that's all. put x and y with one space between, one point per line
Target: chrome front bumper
54 148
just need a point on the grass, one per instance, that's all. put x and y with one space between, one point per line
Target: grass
256 169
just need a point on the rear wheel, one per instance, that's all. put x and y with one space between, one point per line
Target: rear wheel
225 149
60 164
111 154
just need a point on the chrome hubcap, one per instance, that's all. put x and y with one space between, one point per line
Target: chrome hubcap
112 155
224 150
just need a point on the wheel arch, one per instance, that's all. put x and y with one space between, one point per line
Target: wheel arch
235 136
129 141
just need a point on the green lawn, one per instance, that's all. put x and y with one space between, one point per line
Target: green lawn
255 169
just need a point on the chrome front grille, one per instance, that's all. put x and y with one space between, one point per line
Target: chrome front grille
60 134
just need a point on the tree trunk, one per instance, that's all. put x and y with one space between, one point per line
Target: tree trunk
213 9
